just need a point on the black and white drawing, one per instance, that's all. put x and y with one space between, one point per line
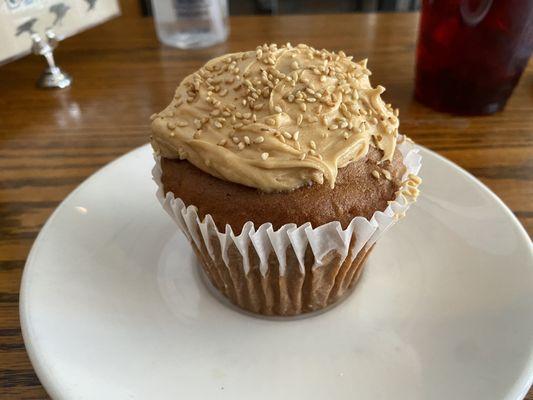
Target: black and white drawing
20 19
91 4
59 10
26 27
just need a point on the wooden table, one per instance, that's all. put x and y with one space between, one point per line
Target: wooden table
50 141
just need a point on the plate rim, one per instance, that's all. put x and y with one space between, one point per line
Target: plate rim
518 389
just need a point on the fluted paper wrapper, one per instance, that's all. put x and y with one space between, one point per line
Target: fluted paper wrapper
293 270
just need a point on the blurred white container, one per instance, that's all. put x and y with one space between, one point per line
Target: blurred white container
191 24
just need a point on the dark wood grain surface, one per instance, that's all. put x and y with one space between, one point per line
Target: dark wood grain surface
50 141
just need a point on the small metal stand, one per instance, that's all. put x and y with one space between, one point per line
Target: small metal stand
52 77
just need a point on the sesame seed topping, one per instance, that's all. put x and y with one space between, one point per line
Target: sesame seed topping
280 83
287 135
264 156
375 174
413 192
296 135
415 178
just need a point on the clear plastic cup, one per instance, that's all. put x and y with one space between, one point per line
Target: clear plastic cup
189 24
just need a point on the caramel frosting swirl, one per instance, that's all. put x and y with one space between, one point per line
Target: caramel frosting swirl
276 118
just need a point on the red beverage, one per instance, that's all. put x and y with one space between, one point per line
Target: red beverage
471 53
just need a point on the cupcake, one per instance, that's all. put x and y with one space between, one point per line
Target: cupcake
282 166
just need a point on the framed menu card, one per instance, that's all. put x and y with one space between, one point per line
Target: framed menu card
19 19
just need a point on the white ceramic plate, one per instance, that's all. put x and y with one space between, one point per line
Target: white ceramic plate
113 307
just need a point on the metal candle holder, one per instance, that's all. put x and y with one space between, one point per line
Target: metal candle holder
53 76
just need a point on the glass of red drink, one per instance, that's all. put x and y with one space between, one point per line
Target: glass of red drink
471 53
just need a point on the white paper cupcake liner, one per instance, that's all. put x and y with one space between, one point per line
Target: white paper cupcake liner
228 259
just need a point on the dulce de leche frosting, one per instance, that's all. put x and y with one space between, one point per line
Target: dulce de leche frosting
276 118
